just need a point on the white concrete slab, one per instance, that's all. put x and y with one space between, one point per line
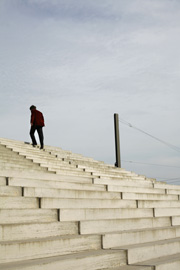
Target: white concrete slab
158 204
175 221
122 182
135 189
70 193
171 262
93 260
2 181
21 216
133 237
100 214
165 186
24 182
14 232
143 252
10 191
18 203
104 226
149 196
86 203
166 212
47 247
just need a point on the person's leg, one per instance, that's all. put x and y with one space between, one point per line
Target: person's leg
32 131
41 137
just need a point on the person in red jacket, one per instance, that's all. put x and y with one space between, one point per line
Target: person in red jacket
37 123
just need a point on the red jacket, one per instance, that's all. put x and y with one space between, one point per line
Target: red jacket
37 118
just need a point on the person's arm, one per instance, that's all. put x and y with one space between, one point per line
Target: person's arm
32 118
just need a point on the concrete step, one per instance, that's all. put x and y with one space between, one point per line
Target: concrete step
11 166
104 214
13 157
173 191
167 212
17 216
55 162
17 161
93 260
133 237
69 172
2 181
33 167
86 203
135 189
50 176
175 220
119 176
152 250
18 203
69 193
161 185
105 226
131 267
122 182
47 247
171 262
10 191
158 204
149 196
16 232
25 182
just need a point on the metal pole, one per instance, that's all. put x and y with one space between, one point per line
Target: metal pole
117 141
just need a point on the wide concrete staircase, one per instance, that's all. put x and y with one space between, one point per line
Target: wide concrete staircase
60 210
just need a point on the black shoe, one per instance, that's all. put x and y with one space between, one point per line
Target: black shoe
34 145
41 147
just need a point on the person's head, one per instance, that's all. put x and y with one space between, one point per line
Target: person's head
32 107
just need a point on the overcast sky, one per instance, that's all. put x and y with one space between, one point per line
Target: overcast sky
82 61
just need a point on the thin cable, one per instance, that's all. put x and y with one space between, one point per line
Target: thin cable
151 164
155 138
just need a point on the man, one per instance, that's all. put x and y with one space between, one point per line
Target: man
37 123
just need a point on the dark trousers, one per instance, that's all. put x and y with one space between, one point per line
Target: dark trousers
40 133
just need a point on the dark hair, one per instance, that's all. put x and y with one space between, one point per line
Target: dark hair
32 107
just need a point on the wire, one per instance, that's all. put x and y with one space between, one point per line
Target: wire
146 133
151 164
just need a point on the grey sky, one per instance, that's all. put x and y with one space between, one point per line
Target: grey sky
82 61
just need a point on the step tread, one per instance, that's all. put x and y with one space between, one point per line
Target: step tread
161 260
42 263
160 242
